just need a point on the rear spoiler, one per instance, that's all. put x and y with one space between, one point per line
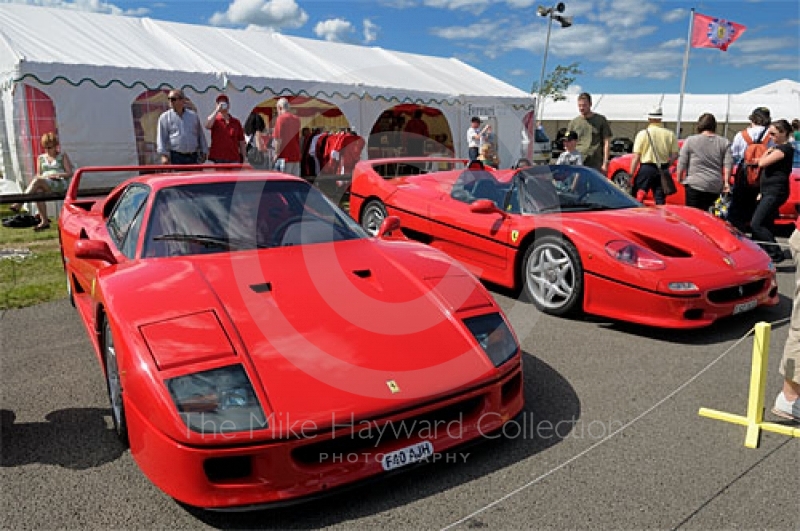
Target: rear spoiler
75 191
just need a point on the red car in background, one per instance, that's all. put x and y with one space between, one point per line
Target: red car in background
619 173
571 241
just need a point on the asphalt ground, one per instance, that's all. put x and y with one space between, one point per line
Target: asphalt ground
610 439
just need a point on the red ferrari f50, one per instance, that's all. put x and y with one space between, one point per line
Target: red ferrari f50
259 347
570 240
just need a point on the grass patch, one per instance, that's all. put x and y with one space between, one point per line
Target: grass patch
37 278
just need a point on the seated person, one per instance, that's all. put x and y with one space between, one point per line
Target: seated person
464 187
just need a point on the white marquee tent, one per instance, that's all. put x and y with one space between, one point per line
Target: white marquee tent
93 67
626 113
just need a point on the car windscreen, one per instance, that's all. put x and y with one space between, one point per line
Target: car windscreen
230 216
557 188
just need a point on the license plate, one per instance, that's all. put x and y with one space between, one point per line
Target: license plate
408 455
745 306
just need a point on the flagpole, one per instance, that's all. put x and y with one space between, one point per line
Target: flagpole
685 70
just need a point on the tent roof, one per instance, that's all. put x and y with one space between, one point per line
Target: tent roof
781 97
107 49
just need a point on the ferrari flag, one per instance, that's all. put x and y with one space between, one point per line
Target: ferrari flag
711 32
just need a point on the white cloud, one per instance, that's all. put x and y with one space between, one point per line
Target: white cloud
267 13
93 6
370 31
674 43
335 30
473 32
519 72
473 6
521 4
676 15
655 64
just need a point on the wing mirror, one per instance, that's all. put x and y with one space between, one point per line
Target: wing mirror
389 225
94 250
484 206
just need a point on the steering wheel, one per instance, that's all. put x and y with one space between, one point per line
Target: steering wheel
280 230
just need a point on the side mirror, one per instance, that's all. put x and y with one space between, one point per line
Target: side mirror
484 206
94 250
389 225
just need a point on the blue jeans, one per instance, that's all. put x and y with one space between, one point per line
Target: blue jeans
763 223
176 157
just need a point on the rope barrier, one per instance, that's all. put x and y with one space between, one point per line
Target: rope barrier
779 428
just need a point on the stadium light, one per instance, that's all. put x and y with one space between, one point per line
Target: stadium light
552 13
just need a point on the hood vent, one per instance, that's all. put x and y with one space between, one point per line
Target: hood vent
663 248
261 288
362 273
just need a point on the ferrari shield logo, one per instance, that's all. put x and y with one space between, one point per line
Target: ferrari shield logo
514 236
728 260
393 387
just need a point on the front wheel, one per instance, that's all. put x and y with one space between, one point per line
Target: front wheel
373 216
624 181
114 384
552 276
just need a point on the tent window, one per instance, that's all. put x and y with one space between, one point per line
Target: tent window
145 111
41 119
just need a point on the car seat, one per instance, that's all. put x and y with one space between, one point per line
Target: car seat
487 189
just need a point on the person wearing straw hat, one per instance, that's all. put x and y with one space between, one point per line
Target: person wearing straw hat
653 149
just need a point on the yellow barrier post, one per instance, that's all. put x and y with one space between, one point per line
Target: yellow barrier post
758 381
755 401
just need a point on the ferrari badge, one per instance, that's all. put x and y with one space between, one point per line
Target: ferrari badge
393 387
514 236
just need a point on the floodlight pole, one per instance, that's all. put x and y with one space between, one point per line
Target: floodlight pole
540 102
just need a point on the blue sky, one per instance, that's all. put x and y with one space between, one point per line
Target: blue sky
622 46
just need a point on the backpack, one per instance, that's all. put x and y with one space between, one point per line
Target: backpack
748 171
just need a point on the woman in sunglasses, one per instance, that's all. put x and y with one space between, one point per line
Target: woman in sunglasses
777 167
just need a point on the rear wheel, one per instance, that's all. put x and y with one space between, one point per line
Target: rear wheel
623 180
373 216
114 384
552 276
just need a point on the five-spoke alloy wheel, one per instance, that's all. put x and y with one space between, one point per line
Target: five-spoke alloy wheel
552 276
373 216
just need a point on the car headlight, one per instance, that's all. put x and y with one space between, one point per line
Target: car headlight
634 255
494 337
217 401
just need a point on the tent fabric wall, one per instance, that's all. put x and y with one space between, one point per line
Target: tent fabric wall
627 112
103 62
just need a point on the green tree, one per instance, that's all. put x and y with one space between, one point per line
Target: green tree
555 84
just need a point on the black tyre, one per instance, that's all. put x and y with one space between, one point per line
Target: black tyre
623 180
552 276
373 216
70 293
114 384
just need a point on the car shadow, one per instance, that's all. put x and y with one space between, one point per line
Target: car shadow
550 401
725 329
76 438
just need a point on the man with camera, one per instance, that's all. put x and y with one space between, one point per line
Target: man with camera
227 136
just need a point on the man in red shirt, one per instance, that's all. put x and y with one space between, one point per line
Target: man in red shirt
227 135
286 138
416 133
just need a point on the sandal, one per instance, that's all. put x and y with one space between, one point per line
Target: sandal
39 228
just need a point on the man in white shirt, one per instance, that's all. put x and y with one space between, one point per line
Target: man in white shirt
744 197
474 138
181 138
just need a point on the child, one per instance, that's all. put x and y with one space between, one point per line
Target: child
571 156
